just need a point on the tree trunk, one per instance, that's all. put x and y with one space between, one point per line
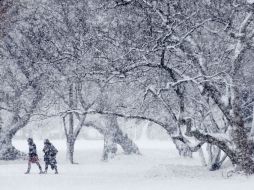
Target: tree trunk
128 146
214 156
183 149
110 147
144 134
7 150
202 157
240 157
243 149
69 133
119 137
70 149
252 124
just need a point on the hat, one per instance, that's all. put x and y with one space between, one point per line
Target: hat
46 141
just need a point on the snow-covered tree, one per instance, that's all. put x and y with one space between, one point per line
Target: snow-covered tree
204 47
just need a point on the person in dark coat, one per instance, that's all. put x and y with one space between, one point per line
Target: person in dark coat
50 156
32 156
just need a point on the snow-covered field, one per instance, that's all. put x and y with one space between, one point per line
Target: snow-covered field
158 168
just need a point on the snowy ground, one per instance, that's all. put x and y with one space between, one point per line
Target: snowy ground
159 167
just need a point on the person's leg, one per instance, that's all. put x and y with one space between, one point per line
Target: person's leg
38 164
54 167
29 167
46 167
56 171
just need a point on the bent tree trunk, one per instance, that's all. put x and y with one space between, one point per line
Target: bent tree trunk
128 146
114 135
119 137
17 122
239 157
181 143
183 149
215 158
7 150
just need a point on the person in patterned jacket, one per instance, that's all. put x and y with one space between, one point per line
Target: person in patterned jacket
32 156
50 156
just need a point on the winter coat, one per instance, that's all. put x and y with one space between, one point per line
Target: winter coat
32 150
50 154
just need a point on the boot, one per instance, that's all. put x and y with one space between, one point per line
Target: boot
27 172
56 172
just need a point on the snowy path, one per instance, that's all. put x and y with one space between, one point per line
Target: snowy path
158 168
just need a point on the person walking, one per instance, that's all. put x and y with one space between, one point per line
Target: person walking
50 156
32 156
